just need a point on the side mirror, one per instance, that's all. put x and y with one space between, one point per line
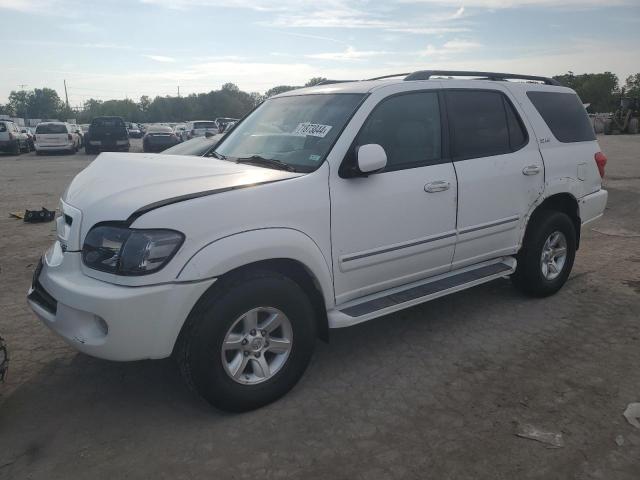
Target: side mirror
371 158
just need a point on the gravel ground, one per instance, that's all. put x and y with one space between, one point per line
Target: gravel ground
438 391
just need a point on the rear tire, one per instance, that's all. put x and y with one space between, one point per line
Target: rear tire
17 150
206 366
547 254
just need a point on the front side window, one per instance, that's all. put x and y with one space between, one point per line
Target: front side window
298 131
408 128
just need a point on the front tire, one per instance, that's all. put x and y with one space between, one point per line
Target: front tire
248 341
547 254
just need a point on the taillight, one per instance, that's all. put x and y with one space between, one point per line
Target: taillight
601 161
69 136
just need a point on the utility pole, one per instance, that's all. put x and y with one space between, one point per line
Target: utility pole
178 90
24 105
66 96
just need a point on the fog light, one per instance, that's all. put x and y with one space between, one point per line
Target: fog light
102 325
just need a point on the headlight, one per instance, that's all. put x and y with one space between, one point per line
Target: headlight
127 251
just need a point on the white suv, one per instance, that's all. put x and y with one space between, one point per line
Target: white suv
325 207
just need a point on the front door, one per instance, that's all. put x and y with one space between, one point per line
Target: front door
397 225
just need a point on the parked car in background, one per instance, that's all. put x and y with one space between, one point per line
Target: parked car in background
223 122
29 133
134 130
106 133
227 127
12 140
55 137
199 146
181 131
159 138
199 127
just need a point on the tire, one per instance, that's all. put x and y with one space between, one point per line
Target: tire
633 126
88 150
17 150
608 126
530 276
199 352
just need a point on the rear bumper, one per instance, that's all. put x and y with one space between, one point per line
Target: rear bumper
114 145
105 320
54 148
592 206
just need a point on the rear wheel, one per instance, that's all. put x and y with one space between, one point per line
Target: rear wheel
248 342
547 254
17 150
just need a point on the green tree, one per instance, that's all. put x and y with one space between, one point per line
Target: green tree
278 90
314 81
600 90
632 86
7 110
19 102
45 103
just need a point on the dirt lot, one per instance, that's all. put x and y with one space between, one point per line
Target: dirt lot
438 391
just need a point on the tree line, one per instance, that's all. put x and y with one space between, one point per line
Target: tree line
601 90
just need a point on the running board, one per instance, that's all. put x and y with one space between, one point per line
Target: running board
399 298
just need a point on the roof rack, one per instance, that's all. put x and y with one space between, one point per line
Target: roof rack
427 74
330 82
389 76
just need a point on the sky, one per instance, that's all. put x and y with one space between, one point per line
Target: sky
125 49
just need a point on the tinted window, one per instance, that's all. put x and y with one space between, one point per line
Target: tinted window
51 128
478 121
204 125
159 129
408 128
108 122
565 115
3 127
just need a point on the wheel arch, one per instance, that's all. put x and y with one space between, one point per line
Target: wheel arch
560 202
283 250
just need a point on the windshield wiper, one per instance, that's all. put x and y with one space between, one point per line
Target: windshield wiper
268 162
218 155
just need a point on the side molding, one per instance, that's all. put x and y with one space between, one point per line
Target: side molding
244 248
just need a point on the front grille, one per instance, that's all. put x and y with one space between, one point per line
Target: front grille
40 296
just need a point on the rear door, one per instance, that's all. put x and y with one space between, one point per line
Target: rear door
52 134
499 168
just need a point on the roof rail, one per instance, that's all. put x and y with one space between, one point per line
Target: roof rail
427 74
330 82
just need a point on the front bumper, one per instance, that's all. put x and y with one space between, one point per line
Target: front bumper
105 320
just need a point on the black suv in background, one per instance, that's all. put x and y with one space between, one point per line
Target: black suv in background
106 133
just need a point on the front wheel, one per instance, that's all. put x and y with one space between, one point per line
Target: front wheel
248 342
547 254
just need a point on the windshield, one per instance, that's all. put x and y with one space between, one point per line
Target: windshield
51 128
196 146
297 130
197 125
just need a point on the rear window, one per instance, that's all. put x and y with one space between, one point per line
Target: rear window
107 122
204 125
51 128
564 114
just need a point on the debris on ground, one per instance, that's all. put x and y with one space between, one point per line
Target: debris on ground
632 414
619 440
551 439
35 216
4 360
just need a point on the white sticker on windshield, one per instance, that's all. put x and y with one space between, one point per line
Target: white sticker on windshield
312 129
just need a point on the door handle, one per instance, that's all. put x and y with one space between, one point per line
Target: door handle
531 170
437 186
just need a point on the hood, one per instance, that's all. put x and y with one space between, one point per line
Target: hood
117 186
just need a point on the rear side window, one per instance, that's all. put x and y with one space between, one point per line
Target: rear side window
565 115
51 128
3 127
408 128
482 124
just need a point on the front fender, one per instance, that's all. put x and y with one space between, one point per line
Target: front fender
244 248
